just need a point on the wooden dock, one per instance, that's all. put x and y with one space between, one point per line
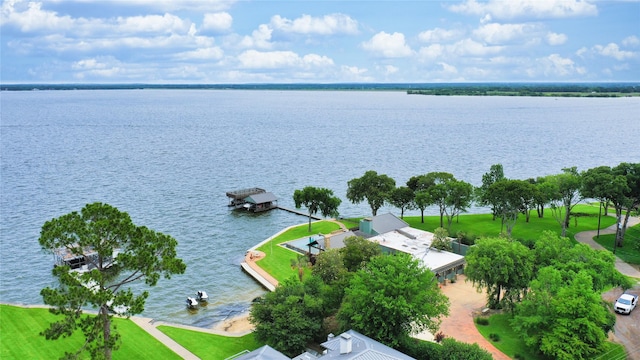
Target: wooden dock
314 217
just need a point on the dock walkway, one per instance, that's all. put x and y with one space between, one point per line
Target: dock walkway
314 217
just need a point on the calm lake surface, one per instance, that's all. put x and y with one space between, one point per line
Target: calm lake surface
167 157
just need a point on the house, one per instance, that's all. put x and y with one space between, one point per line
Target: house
353 345
264 353
394 234
348 345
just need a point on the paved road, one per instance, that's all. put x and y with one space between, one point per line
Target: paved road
587 237
627 328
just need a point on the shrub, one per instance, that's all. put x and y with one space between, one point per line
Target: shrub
467 239
518 356
439 336
495 337
482 321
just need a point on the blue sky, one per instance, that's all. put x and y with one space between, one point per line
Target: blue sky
260 41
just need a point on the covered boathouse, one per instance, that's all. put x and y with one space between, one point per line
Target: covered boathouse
252 199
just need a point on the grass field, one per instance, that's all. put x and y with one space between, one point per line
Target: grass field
482 225
628 253
210 346
20 328
278 260
510 344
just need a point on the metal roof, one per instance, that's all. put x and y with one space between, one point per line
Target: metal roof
264 353
261 198
362 348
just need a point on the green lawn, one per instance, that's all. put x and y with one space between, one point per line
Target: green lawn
510 344
481 225
210 346
20 339
628 253
277 261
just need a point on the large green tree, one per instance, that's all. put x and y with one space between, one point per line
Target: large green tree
290 317
117 253
509 199
439 191
392 298
497 265
317 199
459 198
483 196
373 188
567 187
629 199
563 319
357 252
403 198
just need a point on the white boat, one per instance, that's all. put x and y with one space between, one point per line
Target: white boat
202 296
192 303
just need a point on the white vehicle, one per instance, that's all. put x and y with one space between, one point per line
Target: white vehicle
625 303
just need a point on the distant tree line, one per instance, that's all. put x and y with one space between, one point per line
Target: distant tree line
555 90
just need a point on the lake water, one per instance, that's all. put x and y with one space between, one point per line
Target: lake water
167 157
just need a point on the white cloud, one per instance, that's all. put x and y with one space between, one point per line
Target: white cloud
260 38
354 73
31 18
612 50
154 24
326 25
102 67
173 5
217 22
555 65
631 41
555 39
495 33
439 35
503 9
431 52
448 69
388 45
473 48
211 53
253 59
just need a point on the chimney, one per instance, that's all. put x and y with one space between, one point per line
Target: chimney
330 336
345 343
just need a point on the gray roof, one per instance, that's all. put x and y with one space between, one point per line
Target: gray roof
337 241
261 198
362 348
387 222
264 353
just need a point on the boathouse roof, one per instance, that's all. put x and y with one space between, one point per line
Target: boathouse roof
261 198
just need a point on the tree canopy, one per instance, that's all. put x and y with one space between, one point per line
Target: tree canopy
499 264
564 320
373 188
317 199
391 298
403 198
120 254
291 316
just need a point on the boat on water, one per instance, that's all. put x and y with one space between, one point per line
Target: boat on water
192 303
202 296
